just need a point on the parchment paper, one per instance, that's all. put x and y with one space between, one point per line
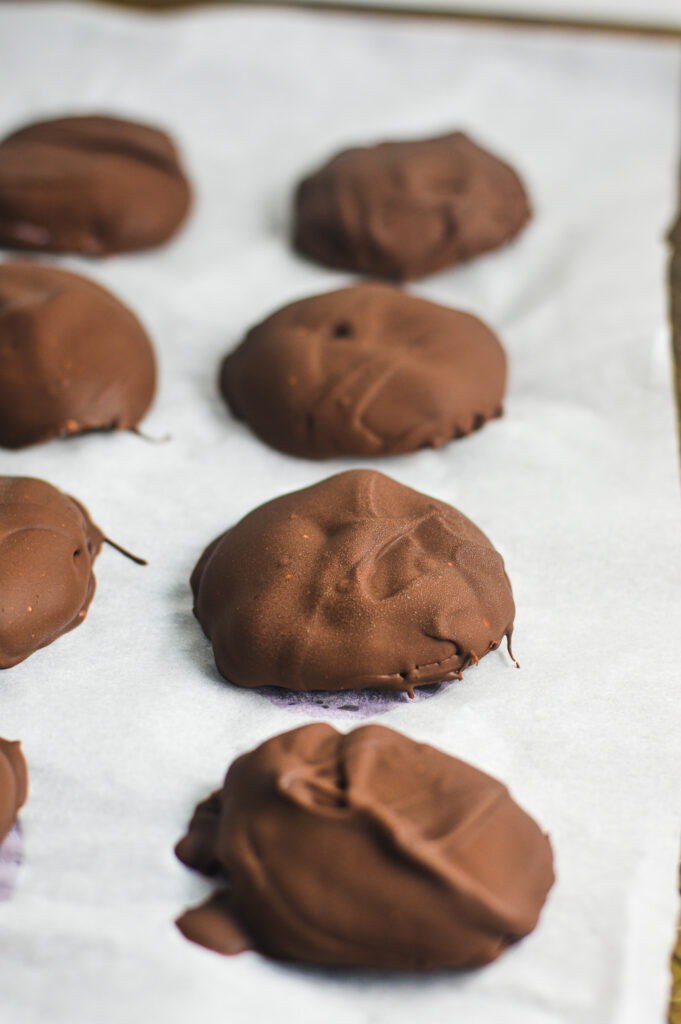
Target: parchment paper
125 721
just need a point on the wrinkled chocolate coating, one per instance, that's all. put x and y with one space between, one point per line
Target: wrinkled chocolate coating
365 850
406 209
354 582
367 370
47 548
13 784
91 185
72 357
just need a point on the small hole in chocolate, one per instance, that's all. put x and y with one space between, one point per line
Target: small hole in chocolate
342 329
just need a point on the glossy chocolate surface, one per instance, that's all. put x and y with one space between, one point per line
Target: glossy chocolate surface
13 784
47 548
364 850
92 185
367 370
354 582
72 357
402 210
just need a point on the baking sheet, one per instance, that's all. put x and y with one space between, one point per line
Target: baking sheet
125 722
663 14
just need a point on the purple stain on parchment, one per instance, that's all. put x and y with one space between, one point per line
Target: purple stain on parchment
11 856
348 703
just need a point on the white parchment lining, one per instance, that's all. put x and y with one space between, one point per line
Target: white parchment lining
125 722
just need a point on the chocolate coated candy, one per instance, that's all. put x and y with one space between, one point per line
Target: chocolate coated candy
405 209
47 548
13 784
354 582
367 370
72 357
92 185
364 850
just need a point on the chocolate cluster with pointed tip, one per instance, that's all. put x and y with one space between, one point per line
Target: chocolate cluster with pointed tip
364 850
355 582
72 357
13 784
367 370
47 549
92 185
402 210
